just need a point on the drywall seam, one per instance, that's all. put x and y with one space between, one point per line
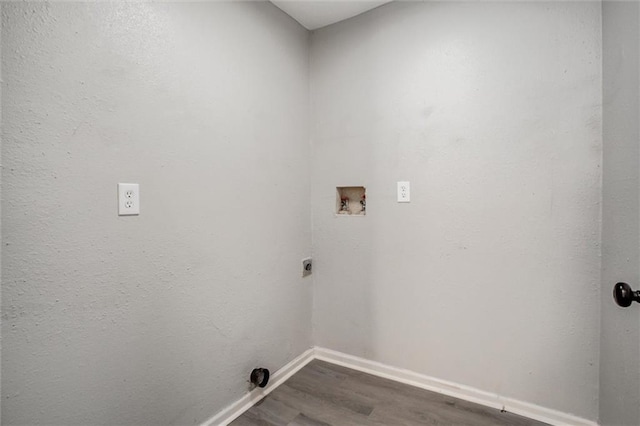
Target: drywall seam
236 409
455 390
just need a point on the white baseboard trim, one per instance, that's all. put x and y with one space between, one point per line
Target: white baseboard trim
488 399
455 390
236 409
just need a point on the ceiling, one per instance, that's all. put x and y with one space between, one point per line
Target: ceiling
314 14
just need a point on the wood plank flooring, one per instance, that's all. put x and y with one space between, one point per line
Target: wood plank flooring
323 394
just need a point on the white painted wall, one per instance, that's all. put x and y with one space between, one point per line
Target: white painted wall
156 319
620 341
1 198
490 277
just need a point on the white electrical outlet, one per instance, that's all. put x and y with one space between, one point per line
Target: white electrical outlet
128 199
404 192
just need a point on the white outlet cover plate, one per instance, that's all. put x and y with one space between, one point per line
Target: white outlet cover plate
404 192
128 199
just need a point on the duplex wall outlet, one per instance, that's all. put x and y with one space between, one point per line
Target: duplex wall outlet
306 266
404 192
128 199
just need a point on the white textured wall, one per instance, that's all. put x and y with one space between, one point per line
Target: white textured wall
1 198
620 341
490 277
156 319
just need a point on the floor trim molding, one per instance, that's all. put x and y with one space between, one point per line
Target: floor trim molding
236 409
411 378
455 390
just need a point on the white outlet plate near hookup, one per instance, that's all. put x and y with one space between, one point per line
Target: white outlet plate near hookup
128 199
404 192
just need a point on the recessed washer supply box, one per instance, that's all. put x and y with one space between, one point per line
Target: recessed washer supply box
351 201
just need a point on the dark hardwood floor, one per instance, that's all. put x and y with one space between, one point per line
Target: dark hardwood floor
323 394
